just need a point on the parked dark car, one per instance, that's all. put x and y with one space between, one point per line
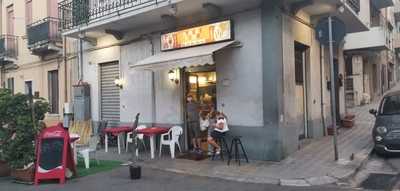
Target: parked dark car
386 131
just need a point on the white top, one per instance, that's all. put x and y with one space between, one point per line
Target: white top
223 130
204 124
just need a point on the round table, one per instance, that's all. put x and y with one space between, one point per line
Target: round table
152 132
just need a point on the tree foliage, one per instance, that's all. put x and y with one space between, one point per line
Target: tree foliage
19 121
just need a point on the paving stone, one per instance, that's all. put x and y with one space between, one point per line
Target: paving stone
294 182
316 181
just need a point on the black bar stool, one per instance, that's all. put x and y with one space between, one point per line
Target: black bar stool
224 148
236 142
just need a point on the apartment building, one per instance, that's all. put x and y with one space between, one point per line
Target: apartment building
257 61
32 57
371 64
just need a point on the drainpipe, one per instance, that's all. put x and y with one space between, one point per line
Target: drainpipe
80 65
322 88
65 69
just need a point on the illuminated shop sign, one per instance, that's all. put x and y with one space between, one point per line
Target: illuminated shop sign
206 34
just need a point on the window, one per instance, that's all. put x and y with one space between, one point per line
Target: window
28 12
10 84
391 105
10 20
28 88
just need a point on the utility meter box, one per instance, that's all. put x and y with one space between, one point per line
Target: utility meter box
81 102
68 114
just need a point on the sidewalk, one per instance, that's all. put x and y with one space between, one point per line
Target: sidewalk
312 165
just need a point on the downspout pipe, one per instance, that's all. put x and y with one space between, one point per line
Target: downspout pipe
65 70
321 58
80 67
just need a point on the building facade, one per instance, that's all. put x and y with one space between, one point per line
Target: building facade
34 58
371 66
257 61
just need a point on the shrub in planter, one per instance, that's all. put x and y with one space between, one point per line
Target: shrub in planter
19 119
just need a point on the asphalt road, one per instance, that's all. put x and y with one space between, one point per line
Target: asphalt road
379 172
152 180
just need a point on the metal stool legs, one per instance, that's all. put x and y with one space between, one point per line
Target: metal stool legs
224 148
236 142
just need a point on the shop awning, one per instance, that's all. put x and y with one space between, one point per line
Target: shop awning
195 56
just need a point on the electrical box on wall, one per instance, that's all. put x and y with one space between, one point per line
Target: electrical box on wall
81 102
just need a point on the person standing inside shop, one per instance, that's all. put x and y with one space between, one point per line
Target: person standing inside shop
193 122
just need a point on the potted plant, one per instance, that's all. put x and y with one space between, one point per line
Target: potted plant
4 168
348 121
19 118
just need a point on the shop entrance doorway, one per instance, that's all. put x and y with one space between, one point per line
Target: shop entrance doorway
200 93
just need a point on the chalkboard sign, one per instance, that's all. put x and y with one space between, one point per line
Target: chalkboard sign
51 155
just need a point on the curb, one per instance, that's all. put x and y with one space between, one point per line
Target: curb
359 160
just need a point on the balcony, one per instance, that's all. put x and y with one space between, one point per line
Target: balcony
44 36
377 38
76 13
95 17
354 5
380 4
345 10
8 48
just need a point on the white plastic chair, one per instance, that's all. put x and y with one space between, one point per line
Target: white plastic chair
86 151
171 139
129 138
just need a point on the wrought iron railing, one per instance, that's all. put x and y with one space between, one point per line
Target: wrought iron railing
74 13
43 32
8 46
354 4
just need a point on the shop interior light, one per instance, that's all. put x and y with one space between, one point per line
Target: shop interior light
193 79
202 80
212 77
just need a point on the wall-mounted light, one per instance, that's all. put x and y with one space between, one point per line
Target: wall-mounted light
173 76
119 82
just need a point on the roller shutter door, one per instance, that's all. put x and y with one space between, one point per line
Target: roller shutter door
110 98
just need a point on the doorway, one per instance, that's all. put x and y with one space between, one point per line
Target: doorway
109 93
300 61
199 84
28 88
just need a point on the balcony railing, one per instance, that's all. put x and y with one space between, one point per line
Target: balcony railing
354 4
43 33
8 47
77 12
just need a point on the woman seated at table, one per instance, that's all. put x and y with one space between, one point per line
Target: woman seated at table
219 129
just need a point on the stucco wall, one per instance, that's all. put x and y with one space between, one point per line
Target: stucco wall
91 62
241 68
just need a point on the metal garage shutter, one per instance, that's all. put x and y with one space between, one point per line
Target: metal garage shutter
110 98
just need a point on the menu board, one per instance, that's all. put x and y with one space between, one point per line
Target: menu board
51 153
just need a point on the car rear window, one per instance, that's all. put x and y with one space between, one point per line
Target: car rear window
390 105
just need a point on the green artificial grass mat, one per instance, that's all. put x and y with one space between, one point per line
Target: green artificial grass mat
103 166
